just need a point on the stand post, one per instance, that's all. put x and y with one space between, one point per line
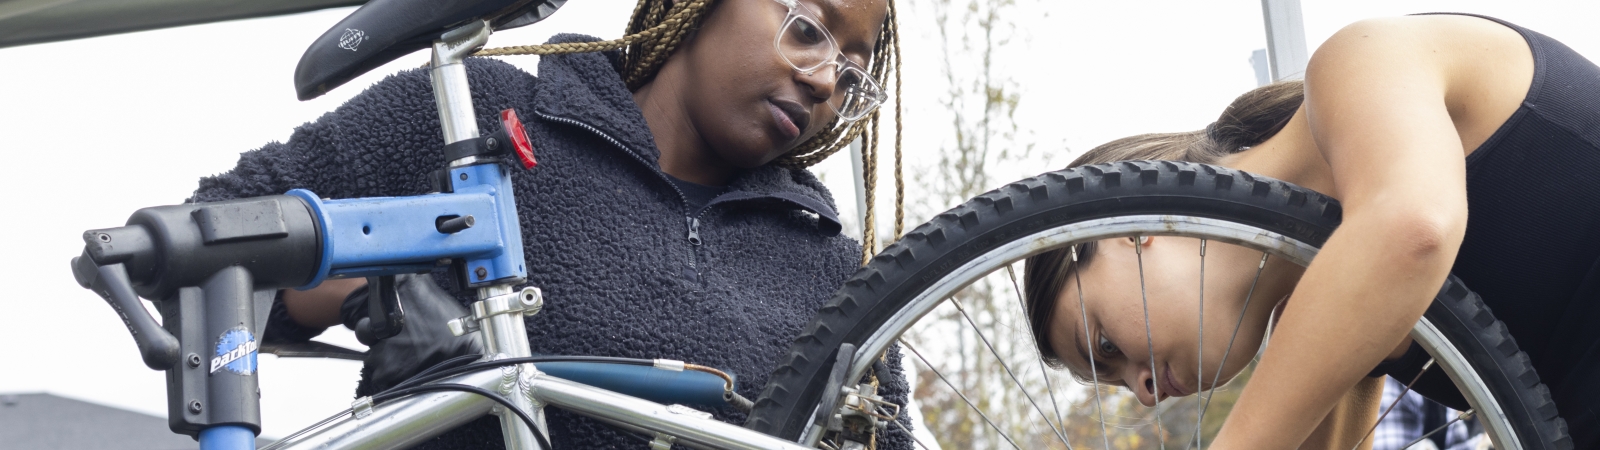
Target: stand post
1286 39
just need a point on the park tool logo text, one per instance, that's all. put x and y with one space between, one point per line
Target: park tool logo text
236 351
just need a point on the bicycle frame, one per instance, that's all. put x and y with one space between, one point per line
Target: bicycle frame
499 322
214 268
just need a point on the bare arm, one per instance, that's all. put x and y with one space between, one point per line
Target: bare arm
1386 101
319 307
1350 419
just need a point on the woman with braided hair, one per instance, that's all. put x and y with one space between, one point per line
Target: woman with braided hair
670 216
1409 122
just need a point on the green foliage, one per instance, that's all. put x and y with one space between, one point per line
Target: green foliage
979 97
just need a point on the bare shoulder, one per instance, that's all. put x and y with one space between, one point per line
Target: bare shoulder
1449 43
1440 32
1479 68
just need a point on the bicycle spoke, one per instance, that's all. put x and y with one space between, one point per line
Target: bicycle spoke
1235 336
1150 346
1200 354
964 398
1459 417
1043 371
1007 367
909 434
1099 405
1396 402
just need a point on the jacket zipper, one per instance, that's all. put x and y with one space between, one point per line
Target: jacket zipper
693 220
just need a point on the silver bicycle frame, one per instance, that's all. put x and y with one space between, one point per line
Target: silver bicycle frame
498 320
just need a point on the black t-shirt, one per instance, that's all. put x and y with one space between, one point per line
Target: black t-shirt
1532 244
697 195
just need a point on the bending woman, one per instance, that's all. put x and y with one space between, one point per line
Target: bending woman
670 215
1411 123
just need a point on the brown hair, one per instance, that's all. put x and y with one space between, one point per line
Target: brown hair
658 27
1251 119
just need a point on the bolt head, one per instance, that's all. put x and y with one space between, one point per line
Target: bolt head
463 177
103 237
491 143
194 407
481 273
193 360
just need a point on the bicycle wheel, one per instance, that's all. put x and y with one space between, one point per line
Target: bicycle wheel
933 262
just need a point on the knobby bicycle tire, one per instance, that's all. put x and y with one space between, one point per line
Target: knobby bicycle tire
1018 210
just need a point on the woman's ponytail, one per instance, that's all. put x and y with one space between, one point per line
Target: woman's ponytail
1251 119
1255 116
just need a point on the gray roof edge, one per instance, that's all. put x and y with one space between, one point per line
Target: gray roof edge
123 24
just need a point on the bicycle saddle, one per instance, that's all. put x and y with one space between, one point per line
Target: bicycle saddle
383 30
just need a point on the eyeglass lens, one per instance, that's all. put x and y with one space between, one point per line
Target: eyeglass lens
805 45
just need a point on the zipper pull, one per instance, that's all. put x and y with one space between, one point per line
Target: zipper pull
694 230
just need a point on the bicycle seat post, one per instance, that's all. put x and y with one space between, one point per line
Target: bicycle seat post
449 75
499 309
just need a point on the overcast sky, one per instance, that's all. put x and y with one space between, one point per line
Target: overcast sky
96 128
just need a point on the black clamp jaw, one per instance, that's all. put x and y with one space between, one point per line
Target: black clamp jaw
384 317
212 271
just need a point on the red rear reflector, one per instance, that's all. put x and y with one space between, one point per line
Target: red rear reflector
519 138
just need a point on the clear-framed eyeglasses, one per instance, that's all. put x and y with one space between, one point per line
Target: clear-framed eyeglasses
807 46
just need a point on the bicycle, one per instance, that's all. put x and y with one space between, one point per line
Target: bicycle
219 261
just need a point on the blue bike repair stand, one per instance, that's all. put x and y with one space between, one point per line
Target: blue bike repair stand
227 437
215 268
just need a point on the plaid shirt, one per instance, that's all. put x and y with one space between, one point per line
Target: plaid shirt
1414 416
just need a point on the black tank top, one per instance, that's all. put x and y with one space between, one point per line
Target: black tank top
1532 245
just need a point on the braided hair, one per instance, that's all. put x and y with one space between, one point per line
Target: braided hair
658 27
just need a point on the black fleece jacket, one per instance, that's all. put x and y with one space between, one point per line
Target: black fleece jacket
605 232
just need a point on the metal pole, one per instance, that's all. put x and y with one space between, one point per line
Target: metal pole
450 80
1286 39
400 423
860 183
1258 61
687 426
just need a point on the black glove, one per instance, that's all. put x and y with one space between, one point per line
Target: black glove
422 342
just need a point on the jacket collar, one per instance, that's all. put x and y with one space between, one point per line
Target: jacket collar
584 90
